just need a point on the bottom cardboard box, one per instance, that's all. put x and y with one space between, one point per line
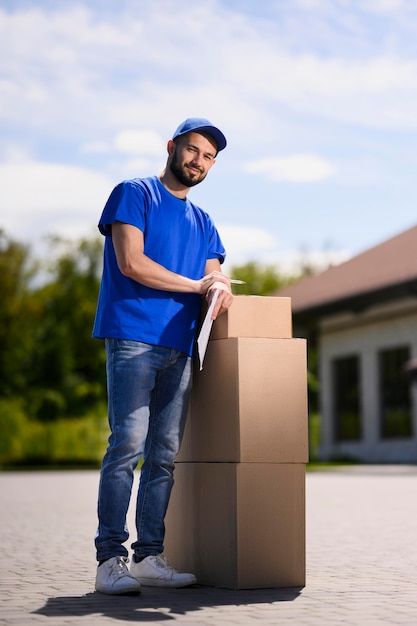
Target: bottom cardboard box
238 525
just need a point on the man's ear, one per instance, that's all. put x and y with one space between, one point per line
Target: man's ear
170 146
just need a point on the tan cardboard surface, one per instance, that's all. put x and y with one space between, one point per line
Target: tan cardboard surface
273 400
201 521
255 316
238 525
249 404
212 428
271 508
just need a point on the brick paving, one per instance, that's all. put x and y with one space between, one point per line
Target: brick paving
362 558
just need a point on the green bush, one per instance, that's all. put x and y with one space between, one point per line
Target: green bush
314 425
78 440
13 430
70 441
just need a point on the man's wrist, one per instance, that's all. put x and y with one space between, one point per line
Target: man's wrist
196 286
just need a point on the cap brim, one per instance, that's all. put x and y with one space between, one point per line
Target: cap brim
212 131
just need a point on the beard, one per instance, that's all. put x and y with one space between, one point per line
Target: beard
185 176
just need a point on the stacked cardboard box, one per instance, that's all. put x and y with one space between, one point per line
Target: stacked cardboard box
237 512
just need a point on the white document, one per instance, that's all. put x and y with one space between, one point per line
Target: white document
204 334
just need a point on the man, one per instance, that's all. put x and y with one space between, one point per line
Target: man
162 253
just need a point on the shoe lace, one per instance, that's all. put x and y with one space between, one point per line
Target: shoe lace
119 567
162 561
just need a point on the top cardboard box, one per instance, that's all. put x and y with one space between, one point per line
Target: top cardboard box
255 316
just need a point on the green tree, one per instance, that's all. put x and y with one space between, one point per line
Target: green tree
52 371
17 313
68 365
260 280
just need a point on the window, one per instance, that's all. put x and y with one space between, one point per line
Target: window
346 397
394 393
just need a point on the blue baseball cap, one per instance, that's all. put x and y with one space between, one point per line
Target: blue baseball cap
200 124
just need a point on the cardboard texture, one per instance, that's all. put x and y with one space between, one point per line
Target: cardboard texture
237 512
255 316
238 525
249 404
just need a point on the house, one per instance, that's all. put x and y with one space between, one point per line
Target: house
363 316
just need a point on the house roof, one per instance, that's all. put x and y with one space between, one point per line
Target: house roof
378 273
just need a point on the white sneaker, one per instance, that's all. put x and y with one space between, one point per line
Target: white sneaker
113 577
155 571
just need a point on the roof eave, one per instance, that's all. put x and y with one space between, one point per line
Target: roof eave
357 302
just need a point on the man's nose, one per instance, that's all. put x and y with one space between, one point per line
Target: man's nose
198 159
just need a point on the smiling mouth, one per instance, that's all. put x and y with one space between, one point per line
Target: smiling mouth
195 170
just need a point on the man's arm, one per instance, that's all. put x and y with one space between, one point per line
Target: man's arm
222 283
133 263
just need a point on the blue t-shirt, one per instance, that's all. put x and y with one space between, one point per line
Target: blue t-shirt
179 236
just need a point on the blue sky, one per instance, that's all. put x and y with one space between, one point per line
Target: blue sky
318 100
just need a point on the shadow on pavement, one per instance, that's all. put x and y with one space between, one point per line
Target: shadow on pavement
161 604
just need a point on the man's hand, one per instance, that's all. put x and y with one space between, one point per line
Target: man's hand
224 299
210 279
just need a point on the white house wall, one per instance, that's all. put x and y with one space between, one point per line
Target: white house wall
365 335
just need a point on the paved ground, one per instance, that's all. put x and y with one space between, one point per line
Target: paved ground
362 558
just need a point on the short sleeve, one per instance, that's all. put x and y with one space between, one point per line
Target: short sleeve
126 204
215 248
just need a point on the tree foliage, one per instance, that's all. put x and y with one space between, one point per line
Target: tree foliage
260 280
48 358
17 311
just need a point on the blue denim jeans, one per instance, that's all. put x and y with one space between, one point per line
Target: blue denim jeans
148 388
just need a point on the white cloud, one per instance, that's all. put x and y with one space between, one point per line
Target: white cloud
298 168
373 6
303 78
293 261
96 147
62 72
139 142
245 243
384 6
141 145
45 197
135 167
251 243
375 92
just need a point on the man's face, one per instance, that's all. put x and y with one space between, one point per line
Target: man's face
192 157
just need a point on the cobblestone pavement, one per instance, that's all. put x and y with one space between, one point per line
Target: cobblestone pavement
362 558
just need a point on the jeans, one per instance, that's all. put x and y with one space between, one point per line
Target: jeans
148 388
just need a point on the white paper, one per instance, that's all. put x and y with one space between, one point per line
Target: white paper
204 334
